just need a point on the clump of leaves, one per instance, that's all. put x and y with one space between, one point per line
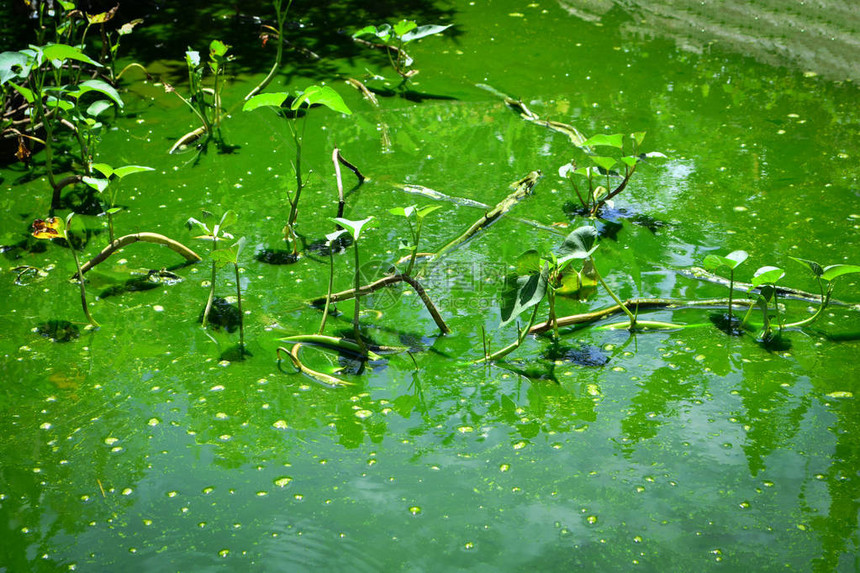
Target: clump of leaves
110 180
393 38
731 262
593 184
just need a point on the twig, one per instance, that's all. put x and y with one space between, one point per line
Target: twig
126 240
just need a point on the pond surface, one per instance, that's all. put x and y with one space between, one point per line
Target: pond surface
141 446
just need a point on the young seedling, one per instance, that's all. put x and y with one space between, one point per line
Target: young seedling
731 262
765 279
354 228
110 179
596 195
204 102
331 240
230 255
827 274
214 234
393 38
313 95
413 213
55 228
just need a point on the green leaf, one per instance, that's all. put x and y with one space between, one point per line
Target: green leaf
26 92
217 48
767 275
62 52
200 225
528 262
228 219
426 211
833 271
579 244
615 140
605 163
403 211
14 65
638 137
423 31
629 160
97 107
113 210
100 87
103 168
332 237
121 172
383 32
354 227
276 100
404 26
321 95
521 292
731 261
814 267
96 183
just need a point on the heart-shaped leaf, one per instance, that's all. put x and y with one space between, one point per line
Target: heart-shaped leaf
767 275
275 100
731 261
833 271
321 95
354 227
423 31
579 244
814 267
521 292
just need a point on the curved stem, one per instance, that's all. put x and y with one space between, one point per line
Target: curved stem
324 379
357 301
521 336
189 255
616 299
90 318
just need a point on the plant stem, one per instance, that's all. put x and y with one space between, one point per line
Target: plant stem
90 318
616 299
126 240
731 292
282 16
521 336
241 315
825 299
357 283
325 379
330 285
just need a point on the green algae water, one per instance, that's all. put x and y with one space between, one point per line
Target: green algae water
145 445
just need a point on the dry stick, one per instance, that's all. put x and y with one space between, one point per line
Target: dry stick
117 244
382 283
368 95
522 188
667 303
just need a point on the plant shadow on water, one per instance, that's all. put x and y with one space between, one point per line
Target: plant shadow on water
223 315
58 330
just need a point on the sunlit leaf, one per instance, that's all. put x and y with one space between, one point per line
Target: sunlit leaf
813 267
59 53
579 244
731 261
614 140
404 26
96 183
217 48
321 95
423 31
121 172
403 211
638 137
276 100
521 292
424 211
126 28
605 163
767 275
14 65
103 168
99 86
833 271
354 227
98 107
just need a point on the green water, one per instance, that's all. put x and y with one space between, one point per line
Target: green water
136 447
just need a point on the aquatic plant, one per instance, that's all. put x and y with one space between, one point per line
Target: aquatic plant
56 228
411 213
393 38
731 262
215 233
110 179
765 279
204 102
595 195
313 95
230 255
354 228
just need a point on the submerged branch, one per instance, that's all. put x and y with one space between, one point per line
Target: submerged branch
385 282
638 304
325 379
117 244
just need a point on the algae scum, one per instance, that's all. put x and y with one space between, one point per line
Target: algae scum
152 443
